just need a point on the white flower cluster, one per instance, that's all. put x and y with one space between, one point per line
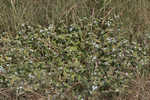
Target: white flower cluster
111 40
2 70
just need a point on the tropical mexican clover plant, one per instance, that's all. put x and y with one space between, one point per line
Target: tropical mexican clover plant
84 58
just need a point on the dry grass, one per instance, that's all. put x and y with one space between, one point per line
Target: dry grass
44 12
138 89
134 14
9 94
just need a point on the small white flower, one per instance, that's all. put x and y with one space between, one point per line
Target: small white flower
106 63
94 87
108 23
70 29
30 61
20 87
60 68
89 33
22 25
51 26
31 76
113 49
126 74
41 31
116 16
94 58
48 32
20 32
45 29
95 22
49 73
119 29
117 90
2 69
7 65
105 48
125 41
134 42
109 39
4 32
96 45
31 50
16 73
140 49
95 73
29 27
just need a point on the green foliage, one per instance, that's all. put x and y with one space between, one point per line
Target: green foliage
80 59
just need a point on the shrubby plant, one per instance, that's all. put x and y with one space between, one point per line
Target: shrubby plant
81 60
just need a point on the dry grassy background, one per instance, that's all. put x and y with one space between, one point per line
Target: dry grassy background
134 14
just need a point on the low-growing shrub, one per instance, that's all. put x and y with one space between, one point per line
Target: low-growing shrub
87 59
